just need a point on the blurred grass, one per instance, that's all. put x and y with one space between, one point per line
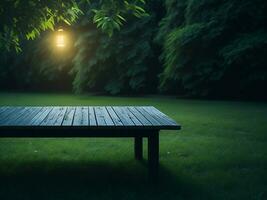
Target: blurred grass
221 153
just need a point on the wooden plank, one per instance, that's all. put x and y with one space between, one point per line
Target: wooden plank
161 120
102 116
69 115
124 117
40 116
14 118
51 118
99 117
150 118
60 116
3 109
92 117
81 116
87 116
30 114
140 117
5 113
156 117
160 115
4 116
107 117
11 114
135 120
114 116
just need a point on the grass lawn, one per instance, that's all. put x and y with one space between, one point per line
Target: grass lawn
221 153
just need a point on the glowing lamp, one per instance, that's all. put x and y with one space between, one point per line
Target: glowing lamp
60 38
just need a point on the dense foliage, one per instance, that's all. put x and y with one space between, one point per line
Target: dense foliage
27 19
213 48
124 63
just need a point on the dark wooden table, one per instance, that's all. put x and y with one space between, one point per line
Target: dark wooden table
88 121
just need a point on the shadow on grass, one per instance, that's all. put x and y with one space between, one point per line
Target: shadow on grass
92 180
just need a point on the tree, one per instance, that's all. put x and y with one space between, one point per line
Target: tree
128 53
27 19
215 48
124 63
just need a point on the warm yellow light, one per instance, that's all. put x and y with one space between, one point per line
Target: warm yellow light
60 39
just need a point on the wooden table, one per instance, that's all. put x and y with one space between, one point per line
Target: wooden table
88 121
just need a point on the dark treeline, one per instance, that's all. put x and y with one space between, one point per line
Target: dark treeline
198 48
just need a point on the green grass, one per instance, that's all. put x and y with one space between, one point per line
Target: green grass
221 153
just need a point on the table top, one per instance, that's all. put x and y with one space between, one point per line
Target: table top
86 117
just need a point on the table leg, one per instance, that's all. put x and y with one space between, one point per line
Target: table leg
138 148
153 154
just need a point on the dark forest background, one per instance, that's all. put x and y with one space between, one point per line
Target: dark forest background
196 48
